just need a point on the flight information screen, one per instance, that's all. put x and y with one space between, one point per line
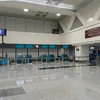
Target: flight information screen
2 32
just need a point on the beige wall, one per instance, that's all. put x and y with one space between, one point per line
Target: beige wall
77 36
31 38
82 52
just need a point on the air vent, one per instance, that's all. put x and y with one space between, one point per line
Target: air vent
54 2
42 14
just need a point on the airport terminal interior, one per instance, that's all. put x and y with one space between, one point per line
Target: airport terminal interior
49 49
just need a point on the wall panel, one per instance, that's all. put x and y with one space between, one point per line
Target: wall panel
10 52
78 36
30 25
10 23
2 22
20 24
31 38
54 25
39 26
47 27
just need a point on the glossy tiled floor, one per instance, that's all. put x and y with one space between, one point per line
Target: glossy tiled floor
75 83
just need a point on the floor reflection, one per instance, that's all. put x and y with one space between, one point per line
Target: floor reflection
73 83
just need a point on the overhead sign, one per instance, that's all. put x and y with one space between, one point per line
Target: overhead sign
44 46
52 46
29 46
65 46
92 32
20 46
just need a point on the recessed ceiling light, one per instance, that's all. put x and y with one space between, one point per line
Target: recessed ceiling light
26 10
58 14
90 19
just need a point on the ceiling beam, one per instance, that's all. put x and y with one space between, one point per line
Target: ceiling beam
35 7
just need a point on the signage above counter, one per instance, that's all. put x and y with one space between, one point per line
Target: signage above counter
92 32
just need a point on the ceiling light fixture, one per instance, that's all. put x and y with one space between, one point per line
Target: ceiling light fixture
58 14
26 10
90 19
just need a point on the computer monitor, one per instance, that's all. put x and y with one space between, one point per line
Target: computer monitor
3 32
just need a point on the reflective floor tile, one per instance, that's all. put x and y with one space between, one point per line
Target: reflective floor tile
12 92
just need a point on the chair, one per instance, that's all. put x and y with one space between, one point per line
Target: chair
3 61
43 58
19 59
28 58
92 59
51 58
64 57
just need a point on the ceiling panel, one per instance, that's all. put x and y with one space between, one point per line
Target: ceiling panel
19 12
16 11
57 3
35 6
54 16
73 2
67 4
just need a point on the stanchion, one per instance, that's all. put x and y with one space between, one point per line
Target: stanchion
67 60
36 66
15 63
74 61
46 64
8 65
3 76
28 61
25 68
59 65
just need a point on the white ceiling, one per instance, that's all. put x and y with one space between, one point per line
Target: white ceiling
67 4
65 7
31 14
73 2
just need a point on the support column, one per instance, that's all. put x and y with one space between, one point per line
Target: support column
82 52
